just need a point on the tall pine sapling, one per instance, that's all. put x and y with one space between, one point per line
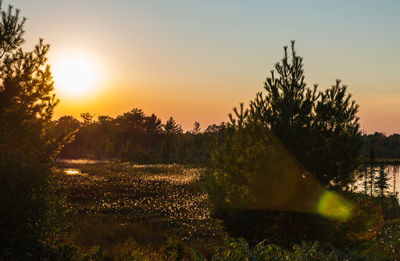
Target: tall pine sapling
27 143
320 129
382 181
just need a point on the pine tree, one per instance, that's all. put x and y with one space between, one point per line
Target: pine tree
365 174
27 144
171 127
320 129
395 173
382 181
291 135
371 170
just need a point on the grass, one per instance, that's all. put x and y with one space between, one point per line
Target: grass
155 212
112 202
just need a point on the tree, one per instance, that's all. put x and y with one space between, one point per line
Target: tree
27 103
196 128
371 182
65 126
382 182
320 129
171 127
278 156
87 118
27 142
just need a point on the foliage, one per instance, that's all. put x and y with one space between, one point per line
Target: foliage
124 211
196 128
384 146
233 250
381 181
136 137
131 251
320 129
387 242
240 250
250 169
279 155
29 212
171 127
107 203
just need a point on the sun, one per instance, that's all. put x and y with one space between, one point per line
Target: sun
75 74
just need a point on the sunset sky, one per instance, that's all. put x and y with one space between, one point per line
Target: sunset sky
196 60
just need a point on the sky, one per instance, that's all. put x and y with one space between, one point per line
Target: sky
196 60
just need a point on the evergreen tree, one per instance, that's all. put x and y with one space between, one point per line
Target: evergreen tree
171 127
27 142
382 181
365 175
395 173
279 155
320 129
371 170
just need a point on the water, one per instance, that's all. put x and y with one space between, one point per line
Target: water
80 161
393 179
73 172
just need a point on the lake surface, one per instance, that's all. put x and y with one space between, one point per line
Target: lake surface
393 172
80 161
74 171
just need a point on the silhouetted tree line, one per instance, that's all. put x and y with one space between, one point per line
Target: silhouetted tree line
381 146
136 137
140 138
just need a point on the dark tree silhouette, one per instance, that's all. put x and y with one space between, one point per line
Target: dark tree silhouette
385 147
27 141
320 129
171 127
87 118
136 137
382 181
280 154
196 128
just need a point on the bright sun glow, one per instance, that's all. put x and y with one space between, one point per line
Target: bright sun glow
75 74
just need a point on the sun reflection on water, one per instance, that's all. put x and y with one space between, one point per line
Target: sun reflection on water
73 172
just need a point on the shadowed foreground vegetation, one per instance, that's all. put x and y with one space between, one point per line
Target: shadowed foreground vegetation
108 203
121 211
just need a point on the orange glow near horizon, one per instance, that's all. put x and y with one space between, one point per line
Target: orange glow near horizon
114 100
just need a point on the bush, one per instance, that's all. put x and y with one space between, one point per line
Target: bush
260 191
30 212
240 250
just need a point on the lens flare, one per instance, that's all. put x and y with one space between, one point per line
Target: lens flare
334 206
